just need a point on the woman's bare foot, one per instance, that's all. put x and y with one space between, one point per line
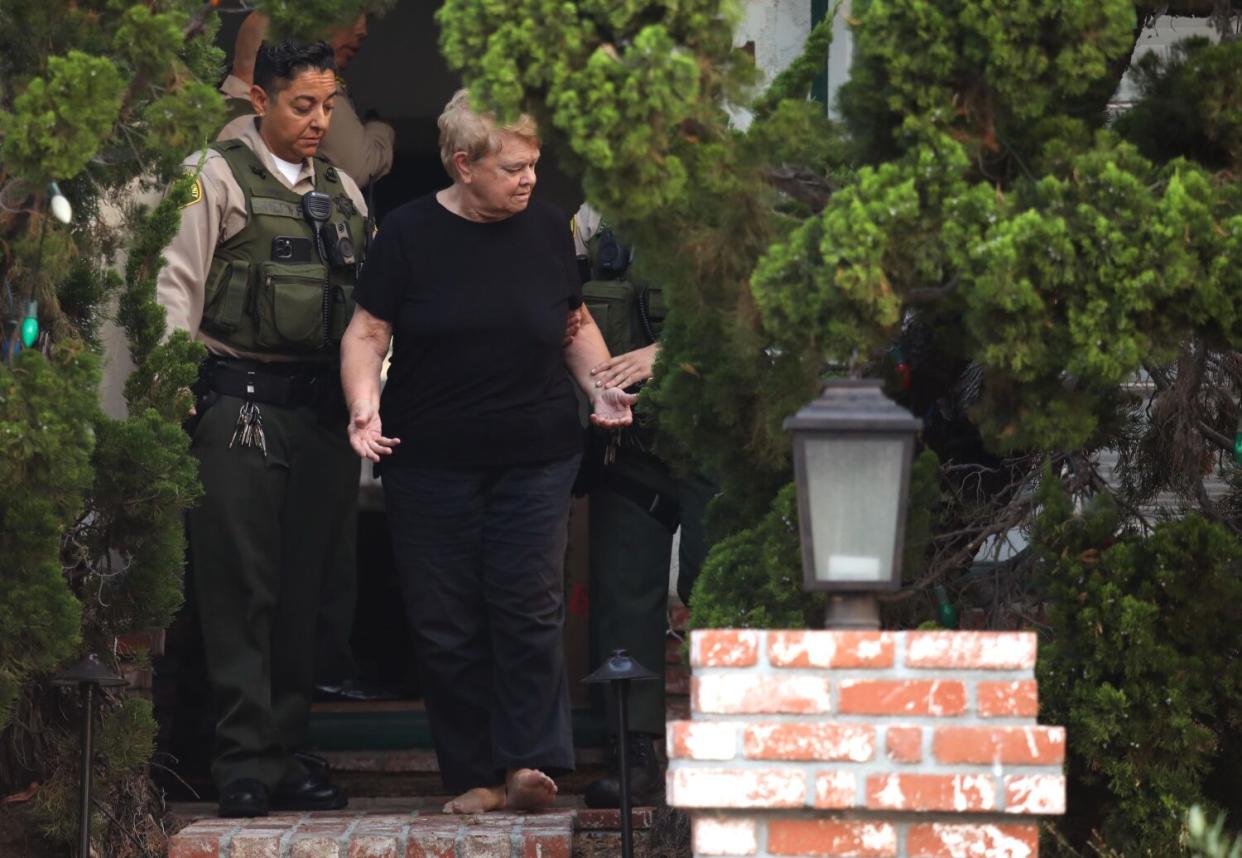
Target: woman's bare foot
478 800
528 789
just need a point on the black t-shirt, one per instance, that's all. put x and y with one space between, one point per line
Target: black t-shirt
478 311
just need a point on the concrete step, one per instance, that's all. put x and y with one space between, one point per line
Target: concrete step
409 776
409 760
391 828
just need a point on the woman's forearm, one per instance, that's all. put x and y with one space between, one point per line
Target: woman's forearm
363 348
360 371
586 352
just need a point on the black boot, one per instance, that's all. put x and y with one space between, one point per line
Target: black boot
314 792
244 797
646 779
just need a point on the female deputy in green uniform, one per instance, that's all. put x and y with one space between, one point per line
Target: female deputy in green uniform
478 434
261 272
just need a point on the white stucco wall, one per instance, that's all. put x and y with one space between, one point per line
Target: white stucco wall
778 29
840 55
116 362
1164 32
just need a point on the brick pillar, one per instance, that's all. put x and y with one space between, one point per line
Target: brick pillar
865 745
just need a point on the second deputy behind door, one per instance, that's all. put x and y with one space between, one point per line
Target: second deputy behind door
364 150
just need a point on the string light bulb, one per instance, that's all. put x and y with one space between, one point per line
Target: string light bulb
30 324
61 210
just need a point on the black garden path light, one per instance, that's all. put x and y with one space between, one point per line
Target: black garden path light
619 671
852 452
88 674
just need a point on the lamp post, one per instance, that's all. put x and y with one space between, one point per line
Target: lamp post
619 671
88 674
852 452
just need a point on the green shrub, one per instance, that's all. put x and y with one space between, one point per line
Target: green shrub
1210 841
1142 663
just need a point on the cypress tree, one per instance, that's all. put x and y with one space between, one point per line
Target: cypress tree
99 100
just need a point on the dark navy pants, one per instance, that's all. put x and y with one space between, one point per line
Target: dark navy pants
479 553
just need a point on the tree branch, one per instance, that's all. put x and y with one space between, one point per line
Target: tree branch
932 294
805 186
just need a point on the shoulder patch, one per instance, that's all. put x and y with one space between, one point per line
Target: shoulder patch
196 194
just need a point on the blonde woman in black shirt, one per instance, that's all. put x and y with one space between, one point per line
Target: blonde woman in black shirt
477 434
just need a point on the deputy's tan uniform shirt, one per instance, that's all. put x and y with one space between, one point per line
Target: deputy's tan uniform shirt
217 213
584 224
361 149
235 87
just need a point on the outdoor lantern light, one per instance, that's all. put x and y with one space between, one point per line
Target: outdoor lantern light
88 674
618 672
852 452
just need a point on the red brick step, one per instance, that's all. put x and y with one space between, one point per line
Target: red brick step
361 835
388 828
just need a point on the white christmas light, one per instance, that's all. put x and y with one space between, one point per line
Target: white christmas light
61 210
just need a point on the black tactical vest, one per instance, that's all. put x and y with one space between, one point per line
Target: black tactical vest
268 289
628 314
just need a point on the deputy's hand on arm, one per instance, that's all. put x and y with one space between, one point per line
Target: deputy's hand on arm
629 368
610 407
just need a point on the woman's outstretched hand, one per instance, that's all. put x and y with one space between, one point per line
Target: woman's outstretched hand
612 408
366 434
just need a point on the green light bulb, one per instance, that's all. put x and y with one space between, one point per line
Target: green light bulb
946 611
30 325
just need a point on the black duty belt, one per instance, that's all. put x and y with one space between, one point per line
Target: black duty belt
283 384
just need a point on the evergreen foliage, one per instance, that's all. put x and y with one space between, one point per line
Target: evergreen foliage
47 412
105 98
753 579
1189 109
59 122
976 214
1142 664
1211 841
314 19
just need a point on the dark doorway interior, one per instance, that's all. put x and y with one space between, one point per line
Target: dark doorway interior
400 77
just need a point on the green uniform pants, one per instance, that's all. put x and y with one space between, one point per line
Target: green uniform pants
630 550
262 540
334 656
